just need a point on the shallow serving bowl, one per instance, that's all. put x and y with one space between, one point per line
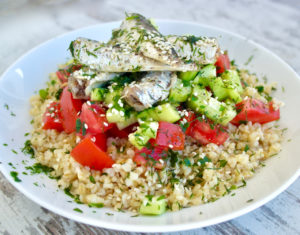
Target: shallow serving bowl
30 74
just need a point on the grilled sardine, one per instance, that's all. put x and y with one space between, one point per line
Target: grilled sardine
152 88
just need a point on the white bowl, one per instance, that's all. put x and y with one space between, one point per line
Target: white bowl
30 73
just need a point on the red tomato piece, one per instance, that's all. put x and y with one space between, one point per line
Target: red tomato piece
87 153
99 139
255 111
94 116
63 74
204 131
150 156
69 110
222 63
169 136
115 132
52 117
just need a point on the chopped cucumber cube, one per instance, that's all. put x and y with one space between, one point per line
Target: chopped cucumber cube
205 74
180 91
121 117
98 94
167 113
153 205
112 96
145 132
187 76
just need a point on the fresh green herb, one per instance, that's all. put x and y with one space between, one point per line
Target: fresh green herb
187 162
243 185
204 160
250 200
14 174
246 148
249 60
26 134
92 179
52 149
173 156
109 214
5 144
260 89
97 205
38 168
10 164
222 163
14 151
78 125
44 93
36 184
71 48
91 53
67 152
149 197
132 17
184 126
161 197
12 114
265 79
283 89
6 106
68 191
58 93
137 68
78 210
27 149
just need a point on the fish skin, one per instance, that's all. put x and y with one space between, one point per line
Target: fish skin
137 33
112 58
200 50
81 82
152 88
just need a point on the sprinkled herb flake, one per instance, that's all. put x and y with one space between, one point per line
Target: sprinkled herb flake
27 149
38 168
44 93
246 148
109 214
187 162
96 205
58 93
12 114
92 179
260 89
6 106
5 145
250 200
78 125
249 60
14 151
160 198
14 174
222 163
137 215
77 210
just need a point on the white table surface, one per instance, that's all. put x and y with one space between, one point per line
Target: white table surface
26 23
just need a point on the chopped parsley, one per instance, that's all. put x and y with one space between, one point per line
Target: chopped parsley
38 168
92 179
249 60
27 149
222 163
5 144
246 148
14 174
6 106
250 200
44 93
204 160
187 162
58 93
78 210
109 214
14 151
97 205
260 89
78 125
160 198
12 114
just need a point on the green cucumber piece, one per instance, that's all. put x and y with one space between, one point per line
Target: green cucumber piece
205 74
112 96
233 84
153 205
167 113
121 117
217 86
98 94
202 102
144 132
187 76
180 91
163 112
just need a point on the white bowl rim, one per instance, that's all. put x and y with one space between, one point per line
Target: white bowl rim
153 228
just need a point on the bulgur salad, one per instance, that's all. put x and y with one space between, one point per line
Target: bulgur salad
148 122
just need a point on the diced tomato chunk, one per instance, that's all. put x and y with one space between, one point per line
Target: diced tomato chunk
222 63
87 153
115 132
255 111
204 131
69 110
99 139
52 117
150 156
169 136
63 74
94 116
